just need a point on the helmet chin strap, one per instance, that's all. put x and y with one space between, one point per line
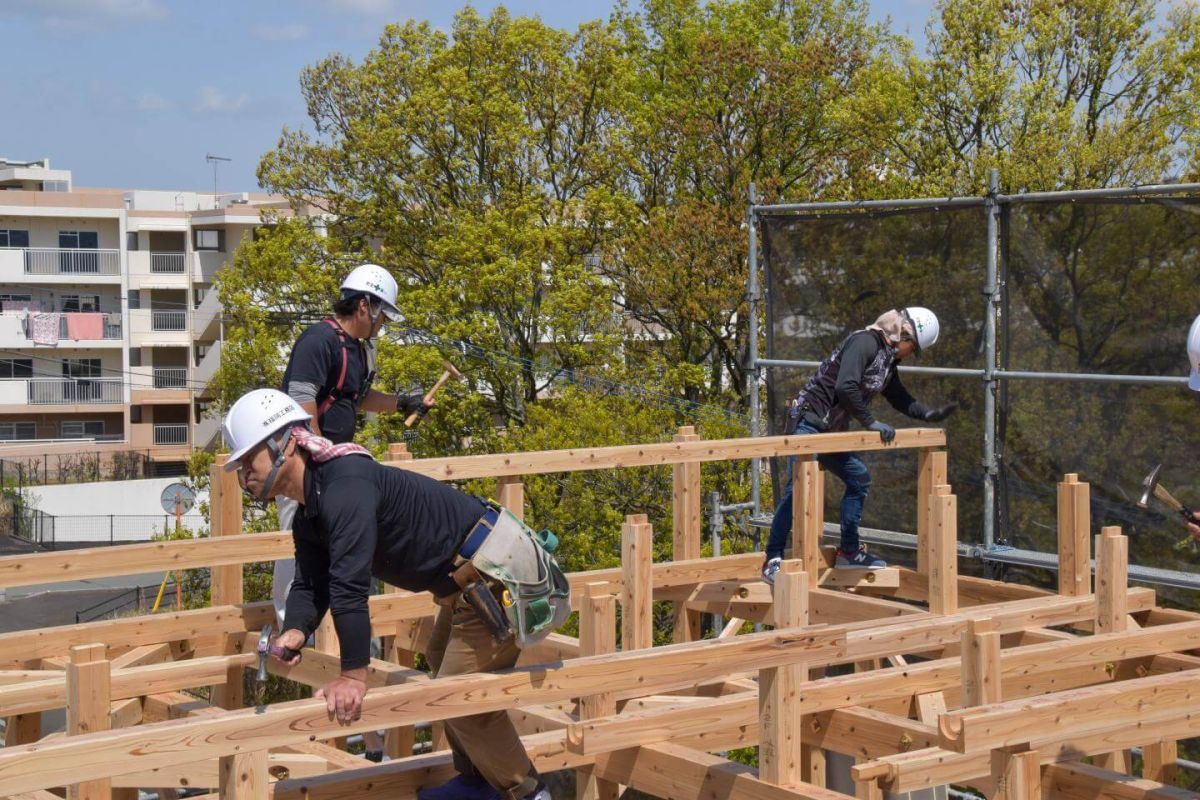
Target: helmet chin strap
277 451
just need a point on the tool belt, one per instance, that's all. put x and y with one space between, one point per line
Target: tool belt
534 596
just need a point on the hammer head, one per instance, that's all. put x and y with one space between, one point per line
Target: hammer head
264 649
1148 486
458 376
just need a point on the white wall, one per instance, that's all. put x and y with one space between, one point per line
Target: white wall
120 498
43 231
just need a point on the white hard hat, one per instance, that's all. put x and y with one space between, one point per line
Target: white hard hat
377 282
1193 345
254 417
925 326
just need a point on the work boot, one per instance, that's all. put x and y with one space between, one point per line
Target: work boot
374 755
859 559
769 568
465 787
539 793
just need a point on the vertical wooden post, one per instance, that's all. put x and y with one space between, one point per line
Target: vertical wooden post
943 552
687 531
1017 775
1159 762
981 663
808 516
398 742
225 510
931 472
1112 580
89 695
398 451
511 493
23 729
597 636
637 598
779 752
1074 523
244 776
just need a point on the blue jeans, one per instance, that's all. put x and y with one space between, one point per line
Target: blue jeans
853 472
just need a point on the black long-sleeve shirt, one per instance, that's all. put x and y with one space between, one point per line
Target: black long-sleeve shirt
359 520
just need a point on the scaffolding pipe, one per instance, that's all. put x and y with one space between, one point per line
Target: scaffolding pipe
752 349
991 295
1007 374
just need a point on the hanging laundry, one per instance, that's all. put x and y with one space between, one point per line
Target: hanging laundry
86 325
44 328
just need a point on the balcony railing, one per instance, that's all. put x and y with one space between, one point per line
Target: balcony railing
170 377
110 330
168 262
168 320
68 261
69 391
169 433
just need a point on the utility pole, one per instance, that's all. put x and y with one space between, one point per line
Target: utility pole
215 161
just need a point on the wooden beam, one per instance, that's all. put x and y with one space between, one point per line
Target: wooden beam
1159 761
88 701
1112 580
808 516
244 776
511 493
458 468
931 472
225 510
597 636
686 532
1017 775
886 578
637 598
981 664
1074 524
779 756
943 552
1075 781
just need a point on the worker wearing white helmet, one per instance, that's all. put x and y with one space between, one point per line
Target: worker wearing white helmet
1193 351
363 521
862 366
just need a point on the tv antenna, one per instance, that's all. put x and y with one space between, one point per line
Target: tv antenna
215 161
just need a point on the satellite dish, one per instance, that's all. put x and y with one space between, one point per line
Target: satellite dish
177 495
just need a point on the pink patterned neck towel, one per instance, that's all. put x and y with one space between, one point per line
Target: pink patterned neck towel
322 450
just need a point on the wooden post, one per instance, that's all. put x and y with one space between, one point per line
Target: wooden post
780 760
511 493
980 663
398 742
637 599
597 636
398 451
1159 762
808 516
1074 523
1017 775
686 531
23 729
1112 580
225 511
943 552
89 696
931 472
244 776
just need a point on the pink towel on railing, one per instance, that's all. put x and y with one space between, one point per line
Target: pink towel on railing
86 325
44 328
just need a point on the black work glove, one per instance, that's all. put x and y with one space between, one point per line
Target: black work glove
886 432
408 403
940 413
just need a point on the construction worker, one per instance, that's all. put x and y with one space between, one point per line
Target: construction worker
329 373
360 520
1193 351
842 388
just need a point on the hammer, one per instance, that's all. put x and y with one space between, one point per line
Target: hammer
450 372
265 649
1151 486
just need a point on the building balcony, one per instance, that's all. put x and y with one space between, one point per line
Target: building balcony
158 328
66 394
160 386
60 265
158 270
168 439
75 331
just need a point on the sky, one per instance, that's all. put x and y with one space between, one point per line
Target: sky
135 93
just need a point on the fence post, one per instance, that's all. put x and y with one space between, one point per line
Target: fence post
225 502
88 677
111 540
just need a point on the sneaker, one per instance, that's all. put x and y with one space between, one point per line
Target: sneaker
539 793
374 755
463 787
859 559
770 567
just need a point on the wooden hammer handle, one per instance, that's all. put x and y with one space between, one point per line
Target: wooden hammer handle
432 393
1162 494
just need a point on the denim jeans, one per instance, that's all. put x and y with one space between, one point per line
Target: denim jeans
853 472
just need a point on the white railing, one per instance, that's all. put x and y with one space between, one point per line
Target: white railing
69 391
168 320
170 377
69 261
168 262
165 433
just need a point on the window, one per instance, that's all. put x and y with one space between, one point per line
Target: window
11 238
135 298
131 240
210 240
199 293
72 303
135 356
81 368
82 429
56 186
78 262
15 431
15 298
135 414
16 368
78 240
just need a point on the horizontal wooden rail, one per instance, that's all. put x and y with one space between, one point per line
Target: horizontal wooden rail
496 465
651 671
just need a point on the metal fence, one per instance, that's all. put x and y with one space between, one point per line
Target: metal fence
168 320
168 262
71 261
170 378
21 472
1063 323
67 391
56 532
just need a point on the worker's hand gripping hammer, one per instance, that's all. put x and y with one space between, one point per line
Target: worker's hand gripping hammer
268 648
450 372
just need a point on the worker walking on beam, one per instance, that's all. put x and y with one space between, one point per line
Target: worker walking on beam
496 584
842 388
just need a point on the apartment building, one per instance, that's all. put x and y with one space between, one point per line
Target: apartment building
109 328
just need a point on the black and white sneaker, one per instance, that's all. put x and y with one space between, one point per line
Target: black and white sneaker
859 559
